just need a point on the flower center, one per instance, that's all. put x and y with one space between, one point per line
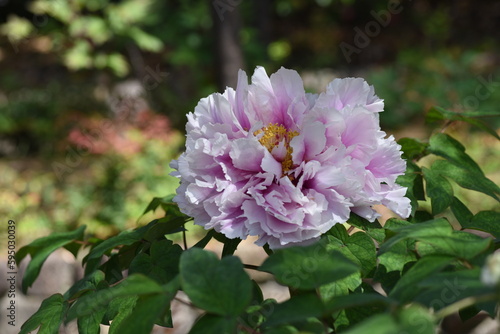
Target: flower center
272 136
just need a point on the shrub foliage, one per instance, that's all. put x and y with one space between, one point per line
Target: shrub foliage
402 277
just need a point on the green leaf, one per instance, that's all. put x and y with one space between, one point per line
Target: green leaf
153 205
407 287
89 27
461 212
461 279
356 300
421 216
118 63
339 232
168 205
445 288
416 319
40 250
311 326
144 40
466 178
445 146
308 267
284 329
433 115
482 125
48 318
377 324
412 148
462 245
220 287
439 114
17 28
413 181
256 313
162 264
349 317
398 256
125 238
433 228
374 229
230 245
341 287
410 320
363 248
257 296
118 310
487 221
297 308
129 12
146 312
78 56
439 190
134 285
73 247
112 269
86 284
359 248
210 323
468 313
90 324
474 113
163 226
205 240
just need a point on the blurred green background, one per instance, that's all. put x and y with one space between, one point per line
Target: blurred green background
93 94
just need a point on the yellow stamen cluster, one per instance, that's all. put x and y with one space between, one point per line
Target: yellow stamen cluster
273 135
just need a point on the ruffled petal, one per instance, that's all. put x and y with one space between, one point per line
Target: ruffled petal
268 160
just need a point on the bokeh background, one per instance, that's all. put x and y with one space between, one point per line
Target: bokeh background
94 93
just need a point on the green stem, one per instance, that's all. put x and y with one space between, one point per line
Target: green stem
251 266
184 240
466 302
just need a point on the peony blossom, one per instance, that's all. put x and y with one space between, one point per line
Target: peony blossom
272 161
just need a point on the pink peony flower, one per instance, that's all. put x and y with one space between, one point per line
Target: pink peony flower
272 161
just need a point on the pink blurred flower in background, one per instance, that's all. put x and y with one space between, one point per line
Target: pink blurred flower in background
120 136
272 161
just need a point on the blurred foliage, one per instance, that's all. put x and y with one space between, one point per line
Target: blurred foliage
459 81
105 188
61 62
87 34
128 36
